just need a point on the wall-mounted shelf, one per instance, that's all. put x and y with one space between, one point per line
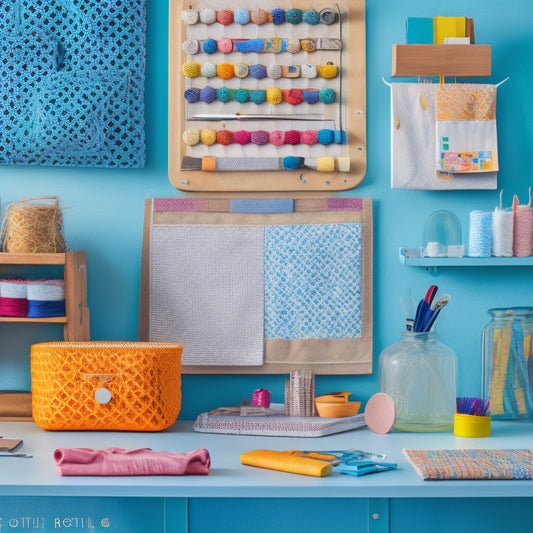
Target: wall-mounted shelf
412 257
457 60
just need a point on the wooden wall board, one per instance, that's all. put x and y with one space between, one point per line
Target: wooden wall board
348 112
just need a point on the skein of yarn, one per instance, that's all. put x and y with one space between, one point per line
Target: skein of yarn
33 225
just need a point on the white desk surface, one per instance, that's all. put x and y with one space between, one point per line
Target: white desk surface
228 478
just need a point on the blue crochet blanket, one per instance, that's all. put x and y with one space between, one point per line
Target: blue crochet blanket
72 83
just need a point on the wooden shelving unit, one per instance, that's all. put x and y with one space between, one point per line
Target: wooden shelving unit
76 321
455 60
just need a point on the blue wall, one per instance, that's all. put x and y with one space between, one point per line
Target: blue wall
103 210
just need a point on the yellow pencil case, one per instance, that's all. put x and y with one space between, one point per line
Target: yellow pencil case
286 462
116 386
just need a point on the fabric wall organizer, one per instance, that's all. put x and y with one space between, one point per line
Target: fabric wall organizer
72 83
253 98
443 136
252 291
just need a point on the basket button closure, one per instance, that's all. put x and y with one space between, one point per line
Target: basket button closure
102 395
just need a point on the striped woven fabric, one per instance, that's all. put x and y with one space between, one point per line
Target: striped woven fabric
434 465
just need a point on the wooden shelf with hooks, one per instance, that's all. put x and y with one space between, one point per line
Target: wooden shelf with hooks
457 60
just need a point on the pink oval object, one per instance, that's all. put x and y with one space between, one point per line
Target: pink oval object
380 413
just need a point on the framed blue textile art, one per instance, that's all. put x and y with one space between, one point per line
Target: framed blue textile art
266 291
72 83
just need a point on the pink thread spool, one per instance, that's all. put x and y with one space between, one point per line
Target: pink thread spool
261 398
13 298
523 231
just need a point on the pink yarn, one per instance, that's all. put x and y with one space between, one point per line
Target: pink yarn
225 45
292 137
259 137
242 136
277 137
310 136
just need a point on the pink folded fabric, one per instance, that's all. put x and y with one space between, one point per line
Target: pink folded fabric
123 462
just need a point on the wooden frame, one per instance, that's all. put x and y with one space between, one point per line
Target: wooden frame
351 106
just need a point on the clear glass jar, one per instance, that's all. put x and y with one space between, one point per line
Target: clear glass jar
419 373
507 371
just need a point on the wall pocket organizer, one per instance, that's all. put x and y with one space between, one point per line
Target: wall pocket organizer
267 96
260 285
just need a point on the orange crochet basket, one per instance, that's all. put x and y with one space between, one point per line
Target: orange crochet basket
115 386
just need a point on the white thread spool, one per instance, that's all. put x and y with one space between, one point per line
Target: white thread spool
502 233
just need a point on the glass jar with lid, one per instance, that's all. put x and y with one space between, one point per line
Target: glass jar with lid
507 370
419 373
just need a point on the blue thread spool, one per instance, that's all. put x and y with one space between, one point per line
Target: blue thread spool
311 17
209 46
292 162
339 137
311 96
294 16
208 94
46 298
223 94
257 96
326 96
325 136
278 16
192 95
480 234
241 16
257 71
241 95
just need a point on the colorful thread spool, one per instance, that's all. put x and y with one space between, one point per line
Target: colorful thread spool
259 137
208 15
242 136
191 136
261 398
276 137
13 298
208 136
209 46
225 17
241 16
311 17
46 298
225 45
190 46
259 17
292 137
523 231
294 16
224 137
278 16
480 234
189 16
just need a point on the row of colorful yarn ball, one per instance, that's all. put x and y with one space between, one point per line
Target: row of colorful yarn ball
274 45
226 71
260 16
32 299
272 95
208 137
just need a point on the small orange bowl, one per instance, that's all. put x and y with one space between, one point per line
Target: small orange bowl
337 409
